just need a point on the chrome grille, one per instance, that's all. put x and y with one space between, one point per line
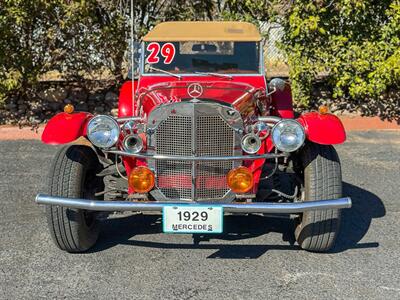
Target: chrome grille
214 138
192 129
174 137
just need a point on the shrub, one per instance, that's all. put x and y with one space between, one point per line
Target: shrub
354 44
75 38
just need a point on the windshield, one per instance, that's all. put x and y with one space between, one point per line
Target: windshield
202 57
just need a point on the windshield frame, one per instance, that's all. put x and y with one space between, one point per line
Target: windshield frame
261 66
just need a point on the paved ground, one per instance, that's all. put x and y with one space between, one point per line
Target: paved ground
253 260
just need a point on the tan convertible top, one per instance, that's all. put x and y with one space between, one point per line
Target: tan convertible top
203 31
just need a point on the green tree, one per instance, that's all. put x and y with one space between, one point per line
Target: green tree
76 37
73 37
355 43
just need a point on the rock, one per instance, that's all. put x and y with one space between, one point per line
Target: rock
34 120
114 112
82 107
57 94
23 122
54 106
99 109
10 106
96 97
23 107
78 94
111 97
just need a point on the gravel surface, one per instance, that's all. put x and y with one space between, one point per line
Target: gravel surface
254 259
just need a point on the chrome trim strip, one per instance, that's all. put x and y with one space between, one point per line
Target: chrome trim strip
125 119
197 158
269 119
194 148
256 207
261 60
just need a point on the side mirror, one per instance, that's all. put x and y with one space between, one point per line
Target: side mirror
276 84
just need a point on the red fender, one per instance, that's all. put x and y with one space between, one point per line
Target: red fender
324 129
64 128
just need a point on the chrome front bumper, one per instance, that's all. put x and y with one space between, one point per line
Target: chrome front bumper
235 207
198 158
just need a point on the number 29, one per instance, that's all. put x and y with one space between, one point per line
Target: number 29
167 52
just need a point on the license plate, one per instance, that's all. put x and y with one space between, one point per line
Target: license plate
192 219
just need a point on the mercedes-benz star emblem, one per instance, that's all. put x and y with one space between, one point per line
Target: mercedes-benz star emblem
195 90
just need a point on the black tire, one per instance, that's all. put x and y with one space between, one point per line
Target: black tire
318 230
72 175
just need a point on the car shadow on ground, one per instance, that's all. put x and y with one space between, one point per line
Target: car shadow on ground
355 224
357 220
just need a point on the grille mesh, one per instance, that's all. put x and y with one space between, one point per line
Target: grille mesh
213 138
174 137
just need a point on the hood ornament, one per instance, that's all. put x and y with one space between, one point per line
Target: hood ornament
195 90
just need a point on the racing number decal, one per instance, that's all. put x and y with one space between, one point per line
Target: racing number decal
153 48
167 51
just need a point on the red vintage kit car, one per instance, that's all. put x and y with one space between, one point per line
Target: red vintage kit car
199 134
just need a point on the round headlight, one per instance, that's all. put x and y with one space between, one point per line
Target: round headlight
288 135
103 131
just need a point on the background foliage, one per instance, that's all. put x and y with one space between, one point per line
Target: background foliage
354 44
350 47
72 37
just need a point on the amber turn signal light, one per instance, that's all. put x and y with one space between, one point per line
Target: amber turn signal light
323 109
141 179
69 108
240 180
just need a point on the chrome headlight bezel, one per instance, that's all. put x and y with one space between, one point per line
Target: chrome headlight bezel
114 131
284 127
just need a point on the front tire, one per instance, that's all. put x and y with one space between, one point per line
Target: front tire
318 230
73 175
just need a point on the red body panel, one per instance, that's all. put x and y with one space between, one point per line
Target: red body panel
282 104
126 106
323 129
65 128
258 82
